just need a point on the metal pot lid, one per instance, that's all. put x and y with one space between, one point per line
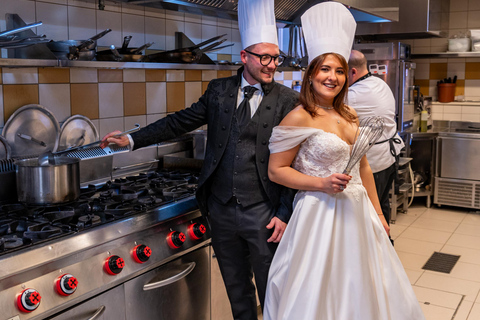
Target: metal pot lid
5 150
76 131
31 130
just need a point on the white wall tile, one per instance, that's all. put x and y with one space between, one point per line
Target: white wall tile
224 23
110 100
1 107
452 116
111 124
155 13
151 118
174 15
456 69
155 32
287 83
81 23
209 20
447 108
237 40
208 75
472 88
471 117
133 75
297 75
193 18
471 110
171 27
422 71
437 116
236 58
56 1
458 20
193 91
194 32
83 75
130 122
208 31
109 20
56 98
96 124
128 8
82 3
112 6
228 32
175 75
134 25
212 56
278 76
26 10
473 19
156 97
20 75
437 108
54 18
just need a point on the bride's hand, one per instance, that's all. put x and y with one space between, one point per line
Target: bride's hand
336 183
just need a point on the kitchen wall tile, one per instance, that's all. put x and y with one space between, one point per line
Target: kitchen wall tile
433 92
472 60
155 32
110 75
473 19
236 57
16 96
133 75
226 57
458 20
175 96
297 75
460 88
175 75
227 23
437 108
55 20
81 23
204 86
472 70
455 69
155 75
438 70
208 75
174 15
20 75
279 75
420 50
237 44
156 97
132 9
1 78
193 75
25 8
460 5
212 56
448 108
109 20
208 31
110 100
134 99
84 100
207 20
171 27
223 73
424 86
53 75
151 118
194 32
134 25
452 116
83 75
228 37
437 116
193 91
55 1
193 18
112 5
287 75
82 3
470 117
472 89
422 71
155 13
1 107
56 98
130 122
110 124
287 83
471 110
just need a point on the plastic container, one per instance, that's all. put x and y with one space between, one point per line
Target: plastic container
423 121
446 92
459 45
475 34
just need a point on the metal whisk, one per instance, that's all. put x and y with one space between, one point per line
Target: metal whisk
368 132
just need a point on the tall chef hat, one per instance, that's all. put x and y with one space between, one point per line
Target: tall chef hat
328 27
256 22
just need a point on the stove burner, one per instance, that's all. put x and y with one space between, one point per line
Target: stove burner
41 231
10 243
91 219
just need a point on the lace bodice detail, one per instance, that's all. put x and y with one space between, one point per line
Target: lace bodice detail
321 153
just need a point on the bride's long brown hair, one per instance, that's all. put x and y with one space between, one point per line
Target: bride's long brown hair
308 95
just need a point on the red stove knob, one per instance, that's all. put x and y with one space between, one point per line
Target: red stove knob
66 284
114 265
28 300
175 239
196 231
141 253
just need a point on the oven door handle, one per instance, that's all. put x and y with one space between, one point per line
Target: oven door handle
175 278
97 313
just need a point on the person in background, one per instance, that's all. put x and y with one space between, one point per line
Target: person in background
246 211
371 96
335 260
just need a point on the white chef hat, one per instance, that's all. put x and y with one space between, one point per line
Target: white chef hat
328 27
256 22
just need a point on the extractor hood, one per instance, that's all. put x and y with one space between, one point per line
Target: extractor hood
376 19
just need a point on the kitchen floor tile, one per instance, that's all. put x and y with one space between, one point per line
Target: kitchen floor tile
432 312
426 235
447 215
466 241
472 218
413 275
466 255
416 246
412 261
466 271
475 312
463 310
396 230
406 218
437 297
447 283
435 224
468 229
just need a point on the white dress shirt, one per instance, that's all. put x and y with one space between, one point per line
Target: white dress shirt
256 98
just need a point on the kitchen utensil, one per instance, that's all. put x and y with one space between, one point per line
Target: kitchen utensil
76 131
126 41
52 183
64 45
5 150
20 29
368 132
114 55
31 121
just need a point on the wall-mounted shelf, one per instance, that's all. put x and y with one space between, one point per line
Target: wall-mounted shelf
18 63
437 55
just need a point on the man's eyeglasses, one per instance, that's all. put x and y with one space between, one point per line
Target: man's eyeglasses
265 59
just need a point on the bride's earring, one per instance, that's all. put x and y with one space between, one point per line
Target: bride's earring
310 80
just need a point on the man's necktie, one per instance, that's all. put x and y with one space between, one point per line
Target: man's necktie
244 113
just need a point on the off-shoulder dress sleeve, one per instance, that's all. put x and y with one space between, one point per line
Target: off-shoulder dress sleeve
286 137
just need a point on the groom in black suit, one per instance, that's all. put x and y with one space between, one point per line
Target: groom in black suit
247 212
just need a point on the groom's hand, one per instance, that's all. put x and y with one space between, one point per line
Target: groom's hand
279 228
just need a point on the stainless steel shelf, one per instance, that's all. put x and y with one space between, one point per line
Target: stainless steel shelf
446 55
15 63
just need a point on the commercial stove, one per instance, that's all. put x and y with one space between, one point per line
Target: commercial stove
133 246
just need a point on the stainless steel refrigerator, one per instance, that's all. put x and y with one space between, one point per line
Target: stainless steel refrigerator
390 61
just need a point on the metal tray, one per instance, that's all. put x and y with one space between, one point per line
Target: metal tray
76 131
5 150
38 127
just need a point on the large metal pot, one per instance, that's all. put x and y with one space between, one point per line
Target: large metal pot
52 183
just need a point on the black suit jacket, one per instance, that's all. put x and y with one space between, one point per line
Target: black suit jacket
216 108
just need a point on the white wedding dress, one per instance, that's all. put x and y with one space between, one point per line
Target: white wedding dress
335 261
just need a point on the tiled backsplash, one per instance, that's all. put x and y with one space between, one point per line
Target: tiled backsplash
112 98
456 111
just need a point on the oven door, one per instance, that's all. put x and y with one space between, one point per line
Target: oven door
177 290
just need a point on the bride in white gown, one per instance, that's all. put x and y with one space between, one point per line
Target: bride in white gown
335 261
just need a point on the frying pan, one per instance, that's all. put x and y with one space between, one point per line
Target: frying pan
76 49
